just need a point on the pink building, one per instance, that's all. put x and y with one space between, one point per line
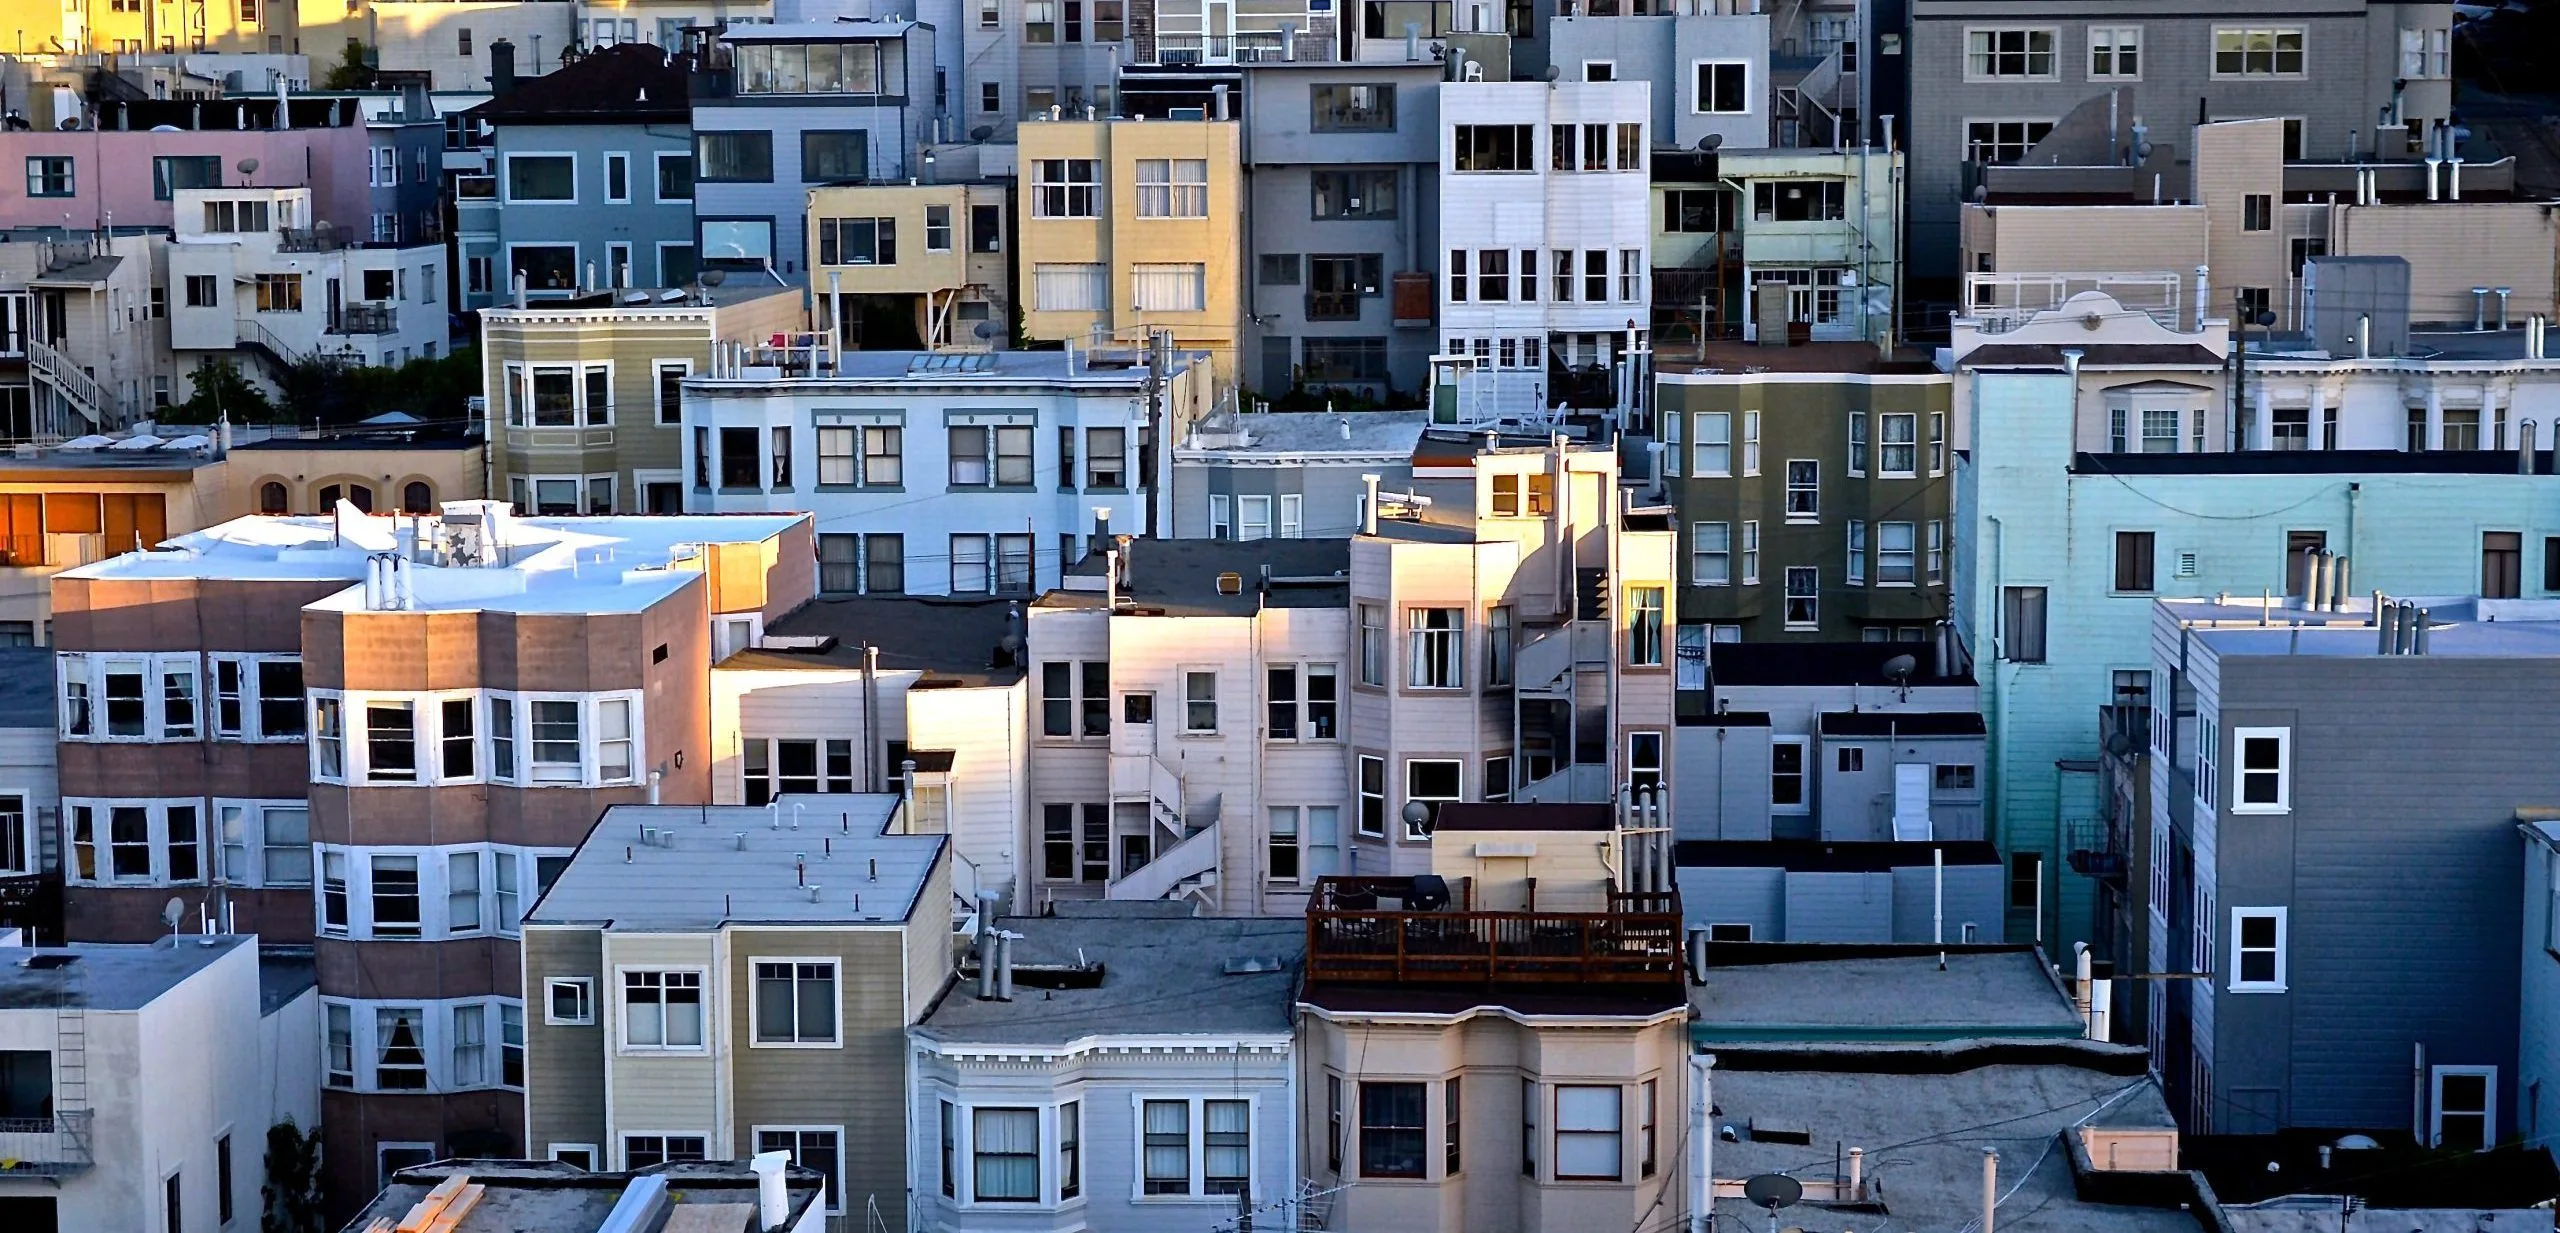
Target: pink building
124 169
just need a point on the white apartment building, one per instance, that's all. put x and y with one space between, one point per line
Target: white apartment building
252 269
981 473
79 336
855 694
137 1083
1545 210
1228 722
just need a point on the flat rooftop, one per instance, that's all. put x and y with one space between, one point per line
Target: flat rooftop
1157 976
178 452
716 865
2313 462
107 977
1925 1135
1316 433
621 563
707 1196
1980 993
1822 663
1713 361
1826 855
2460 626
540 304
904 372
1180 577
956 641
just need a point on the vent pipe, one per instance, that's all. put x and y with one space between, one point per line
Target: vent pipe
1990 1186
2338 585
2479 309
2432 163
1004 966
773 1198
986 946
2503 294
2524 447
1369 504
2364 336
1697 952
2203 275
2418 642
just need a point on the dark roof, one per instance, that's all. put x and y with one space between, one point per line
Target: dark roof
421 437
957 639
1820 856
1821 663
1524 816
1901 723
1724 719
1133 972
1578 1000
932 761
1845 359
1180 576
284 973
2311 462
630 83
2094 355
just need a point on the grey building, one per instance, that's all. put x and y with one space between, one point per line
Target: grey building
2332 830
1710 70
784 107
404 169
591 180
1988 81
1295 474
1342 160
1016 69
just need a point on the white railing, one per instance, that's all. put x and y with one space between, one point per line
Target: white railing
46 1145
1580 783
82 389
1998 303
1145 777
1194 855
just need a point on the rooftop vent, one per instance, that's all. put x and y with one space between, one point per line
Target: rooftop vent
802 644
45 961
1231 583
1763 1132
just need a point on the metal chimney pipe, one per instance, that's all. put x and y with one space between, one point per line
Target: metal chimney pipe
2381 625
1990 1186
1004 967
2432 163
2203 274
2418 643
2503 294
2338 585
986 946
2479 308
1369 504
2524 447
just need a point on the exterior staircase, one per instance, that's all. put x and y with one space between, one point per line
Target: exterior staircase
78 389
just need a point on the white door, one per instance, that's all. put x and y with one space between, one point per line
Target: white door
1911 802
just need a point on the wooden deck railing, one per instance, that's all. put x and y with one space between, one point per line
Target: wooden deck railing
1636 941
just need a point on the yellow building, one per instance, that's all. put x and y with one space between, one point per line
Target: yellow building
908 266
126 27
1134 225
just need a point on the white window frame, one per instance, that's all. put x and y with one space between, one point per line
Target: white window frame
621 1026
1701 442
612 157
2240 772
755 1010
1806 771
1702 105
833 1200
88 670
2053 53
506 178
101 842
435 1039
2436 1076
2116 40
587 996
1701 554
2234 982
2213 52
1198 1130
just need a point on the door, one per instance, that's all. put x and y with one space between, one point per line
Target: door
2297 561
618 257
1911 802
1324 841
336 301
1136 733
1221 32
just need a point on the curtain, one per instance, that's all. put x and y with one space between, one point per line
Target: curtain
1587 1131
1008 1154
1170 288
1070 288
1227 1151
1168 1145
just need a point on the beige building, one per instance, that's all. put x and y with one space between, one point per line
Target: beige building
188 25
584 394
385 472
1133 226
911 267
719 983
2237 227
1473 1084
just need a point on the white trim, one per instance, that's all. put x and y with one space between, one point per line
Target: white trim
610 158
435 1040
506 179
595 1154
2435 1102
834 1198
755 1020
2240 737
621 1027
587 982
2234 983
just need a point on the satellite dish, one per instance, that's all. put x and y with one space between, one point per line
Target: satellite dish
1552 73
248 166
985 329
713 278
2264 319
1712 141
1899 668
1771 1191
2358 1143
1981 193
173 911
1416 813
982 132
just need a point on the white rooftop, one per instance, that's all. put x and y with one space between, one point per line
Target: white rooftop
807 860
622 563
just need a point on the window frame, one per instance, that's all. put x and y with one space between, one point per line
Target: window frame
621 1027
2240 950
755 1001
2240 771
1974 72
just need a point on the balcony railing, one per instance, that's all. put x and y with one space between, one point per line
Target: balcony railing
1635 942
366 319
321 239
44 1146
1333 306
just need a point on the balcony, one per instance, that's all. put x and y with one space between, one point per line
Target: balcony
2095 848
44 1146
321 239
1635 942
1333 306
366 319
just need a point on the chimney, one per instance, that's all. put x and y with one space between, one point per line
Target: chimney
986 946
2503 293
2524 447
1369 504
1990 1185
1004 966
773 1198
502 67
2433 193
2479 309
2202 274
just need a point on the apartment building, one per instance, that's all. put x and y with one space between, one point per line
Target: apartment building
2535 987
1018 61
30 796
1544 307
920 697
2244 222
591 182
1804 239
1062 1096
1288 474
460 47
383 725
113 1118
194 27
2102 473
1110 201
1707 62
715 986
912 267
589 393
1343 161
2266 795
2348 80
780 108
772 1196
1000 466
1499 1091
662 23
122 168
1853 444
253 270
384 465
82 347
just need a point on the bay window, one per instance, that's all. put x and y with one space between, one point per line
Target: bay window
1005 1144
1590 1140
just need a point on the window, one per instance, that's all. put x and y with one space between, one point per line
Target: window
1373 796
49 176
2257 212
1173 188
169 173
1066 188
1590 1134
2026 879
1799 201
1858 443
1436 641
661 1010
1494 147
1169 287
2257 950
1493 275
1803 596
1894 554
1199 700
470 1041
1353 108
1373 645
1900 456
1696 211
2501 564
569 1000
394 897
2466 1107
1723 87
2022 624
1283 851
2134 560
2002 141
2263 779
1644 627
541 178
1165 1128
857 241
2257 51
1648 1115
816 1148
2115 53
1857 573
1804 489
279 293
835 156
400 1049
1711 554
1786 774
1357 193
795 1002
1531 494
744 157
1392 1127
2014 53
1711 444
649 1151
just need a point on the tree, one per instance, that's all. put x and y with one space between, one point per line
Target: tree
292 1191
351 72
221 391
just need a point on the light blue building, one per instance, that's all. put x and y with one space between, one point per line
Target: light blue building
2101 476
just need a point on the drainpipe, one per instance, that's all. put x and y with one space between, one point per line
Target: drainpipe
1702 1141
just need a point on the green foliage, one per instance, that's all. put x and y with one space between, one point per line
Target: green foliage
333 395
221 390
292 1191
352 71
